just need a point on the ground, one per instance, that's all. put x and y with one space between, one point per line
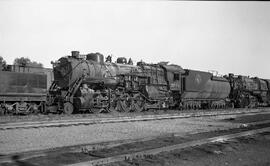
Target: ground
248 151
19 140
244 152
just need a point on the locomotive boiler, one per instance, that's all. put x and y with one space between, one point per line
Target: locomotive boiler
82 82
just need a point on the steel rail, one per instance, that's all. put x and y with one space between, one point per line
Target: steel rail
140 116
142 154
64 123
77 148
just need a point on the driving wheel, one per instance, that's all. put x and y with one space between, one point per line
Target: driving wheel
68 108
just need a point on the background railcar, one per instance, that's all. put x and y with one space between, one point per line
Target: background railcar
22 90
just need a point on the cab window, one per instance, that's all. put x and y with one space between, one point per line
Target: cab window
176 77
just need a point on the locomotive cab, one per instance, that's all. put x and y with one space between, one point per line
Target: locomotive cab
173 76
61 70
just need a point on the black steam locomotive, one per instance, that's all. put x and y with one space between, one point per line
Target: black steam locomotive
88 83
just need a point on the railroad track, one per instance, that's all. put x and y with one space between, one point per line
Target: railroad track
155 151
76 122
98 159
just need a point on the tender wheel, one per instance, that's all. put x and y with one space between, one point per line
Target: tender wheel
68 108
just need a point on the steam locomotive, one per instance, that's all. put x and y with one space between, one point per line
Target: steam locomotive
88 83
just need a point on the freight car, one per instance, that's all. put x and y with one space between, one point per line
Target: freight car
23 90
86 82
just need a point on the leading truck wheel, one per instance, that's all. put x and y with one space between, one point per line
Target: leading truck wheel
68 108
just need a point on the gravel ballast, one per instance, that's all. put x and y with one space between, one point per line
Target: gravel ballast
20 140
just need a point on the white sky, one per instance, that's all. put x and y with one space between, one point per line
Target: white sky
223 36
